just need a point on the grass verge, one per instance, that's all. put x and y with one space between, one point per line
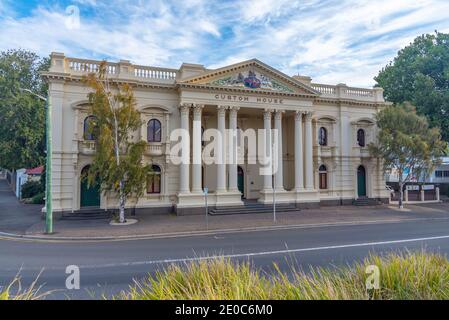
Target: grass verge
407 276
15 291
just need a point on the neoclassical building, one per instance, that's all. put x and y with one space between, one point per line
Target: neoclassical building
323 156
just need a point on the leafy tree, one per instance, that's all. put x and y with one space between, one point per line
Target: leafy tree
32 188
117 162
22 116
420 75
407 144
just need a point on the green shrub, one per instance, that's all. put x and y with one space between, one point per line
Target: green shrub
31 188
408 276
38 198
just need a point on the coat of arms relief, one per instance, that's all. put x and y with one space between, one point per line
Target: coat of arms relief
252 79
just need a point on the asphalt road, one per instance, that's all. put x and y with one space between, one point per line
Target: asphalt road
109 267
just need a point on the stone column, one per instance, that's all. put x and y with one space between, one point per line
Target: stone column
423 195
308 151
437 193
279 174
267 179
221 166
232 143
299 163
196 156
184 183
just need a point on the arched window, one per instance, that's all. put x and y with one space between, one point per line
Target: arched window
90 131
322 137
154 131
361 138
323 177
154 181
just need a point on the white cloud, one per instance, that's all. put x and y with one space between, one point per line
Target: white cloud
209 27
331 41
260 9
92 3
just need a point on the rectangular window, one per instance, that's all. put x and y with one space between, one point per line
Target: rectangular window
438 174
446 174
323 181
154 184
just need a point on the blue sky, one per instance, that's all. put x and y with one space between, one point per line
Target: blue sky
341 41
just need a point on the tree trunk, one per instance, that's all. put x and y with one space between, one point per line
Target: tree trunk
122 204
401 195
122 183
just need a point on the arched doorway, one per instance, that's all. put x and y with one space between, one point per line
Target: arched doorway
361 181
90 196
241 181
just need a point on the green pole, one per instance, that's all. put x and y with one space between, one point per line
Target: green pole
48 196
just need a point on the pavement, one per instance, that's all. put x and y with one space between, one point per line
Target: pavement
20 220
14 216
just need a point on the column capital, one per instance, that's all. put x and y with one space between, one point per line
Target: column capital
298 115
278 114
197 110
233 112
221 110
267 114
185 107
198 106
308 115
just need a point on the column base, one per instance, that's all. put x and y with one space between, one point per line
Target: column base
282 196
307 196
190 200
228 198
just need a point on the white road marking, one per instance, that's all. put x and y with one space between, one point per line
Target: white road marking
263 253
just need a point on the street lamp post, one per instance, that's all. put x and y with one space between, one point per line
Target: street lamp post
273 159
48 195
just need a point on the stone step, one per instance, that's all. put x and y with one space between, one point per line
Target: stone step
260 208
88 214
366 202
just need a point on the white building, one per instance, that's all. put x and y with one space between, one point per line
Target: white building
441 173
325 129
21 179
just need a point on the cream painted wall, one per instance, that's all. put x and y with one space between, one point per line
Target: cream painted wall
341 116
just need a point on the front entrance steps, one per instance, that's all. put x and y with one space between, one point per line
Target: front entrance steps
251 207
93 213
365 201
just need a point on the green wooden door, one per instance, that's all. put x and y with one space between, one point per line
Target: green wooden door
241 181
361 181
90 197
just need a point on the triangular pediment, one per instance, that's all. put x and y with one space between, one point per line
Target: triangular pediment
251 75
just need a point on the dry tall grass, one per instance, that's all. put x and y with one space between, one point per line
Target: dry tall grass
406 276
15 291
